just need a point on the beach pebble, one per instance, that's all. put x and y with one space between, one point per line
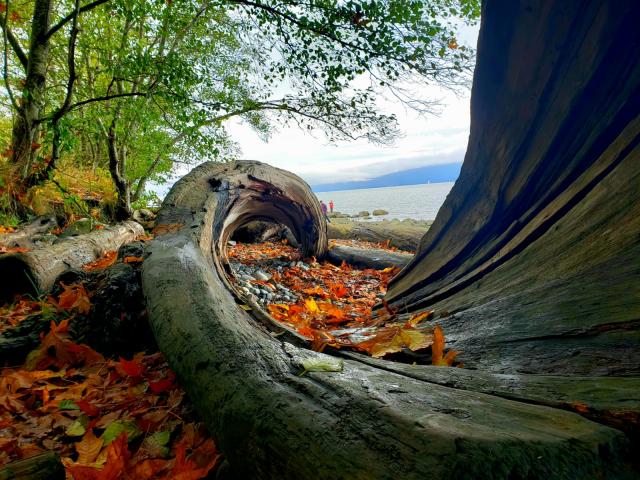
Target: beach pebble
261 275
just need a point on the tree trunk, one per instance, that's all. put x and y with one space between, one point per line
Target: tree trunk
117 166
244 373
536 251
26 127
35 271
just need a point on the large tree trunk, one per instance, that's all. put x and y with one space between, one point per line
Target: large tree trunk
366 421
26 127
35 271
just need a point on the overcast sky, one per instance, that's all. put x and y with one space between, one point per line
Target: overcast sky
427 140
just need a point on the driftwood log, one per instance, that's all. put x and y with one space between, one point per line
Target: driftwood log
368 258
25 236
404 235
534 259
366 421
35 271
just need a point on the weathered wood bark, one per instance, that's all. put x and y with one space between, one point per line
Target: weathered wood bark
362 422
25 235
368 258
36 270
533 263
46 466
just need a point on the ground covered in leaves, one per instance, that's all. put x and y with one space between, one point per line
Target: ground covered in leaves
107 418
332 305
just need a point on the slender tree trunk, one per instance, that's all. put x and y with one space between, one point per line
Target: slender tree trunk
25 128
116 168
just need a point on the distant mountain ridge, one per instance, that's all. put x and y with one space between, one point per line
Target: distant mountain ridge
446 172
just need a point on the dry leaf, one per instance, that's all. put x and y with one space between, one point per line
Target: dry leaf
107 259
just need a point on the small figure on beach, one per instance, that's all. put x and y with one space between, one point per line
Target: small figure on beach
331 206
323 206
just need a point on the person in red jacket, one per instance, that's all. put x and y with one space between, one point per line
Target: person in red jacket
331 205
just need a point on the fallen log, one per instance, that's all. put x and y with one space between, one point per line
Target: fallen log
35 271
361 421
367 257
25 235
404 235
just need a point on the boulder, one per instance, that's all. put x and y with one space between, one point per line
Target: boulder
379 212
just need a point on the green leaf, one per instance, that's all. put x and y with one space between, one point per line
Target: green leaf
114 430
68 405
76 429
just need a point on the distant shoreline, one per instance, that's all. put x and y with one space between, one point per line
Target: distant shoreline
439 173
381 187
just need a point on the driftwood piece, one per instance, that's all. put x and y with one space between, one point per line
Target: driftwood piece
363 421
35 271
46 466
405 235
367 257
24 236
534 258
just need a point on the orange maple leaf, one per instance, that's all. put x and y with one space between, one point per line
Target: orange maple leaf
74 296
58 351
117 457
5 249
107 259
437 350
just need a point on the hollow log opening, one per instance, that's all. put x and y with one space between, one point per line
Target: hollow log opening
531 267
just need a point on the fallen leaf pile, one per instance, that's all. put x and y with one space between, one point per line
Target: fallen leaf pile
336 305
107 419
73 299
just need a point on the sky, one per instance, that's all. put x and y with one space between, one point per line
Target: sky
426 140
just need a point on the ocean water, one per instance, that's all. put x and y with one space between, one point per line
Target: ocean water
420 202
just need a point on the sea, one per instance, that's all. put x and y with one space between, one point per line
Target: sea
420 202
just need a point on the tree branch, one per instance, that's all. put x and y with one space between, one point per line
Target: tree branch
95 100
5 72
71 61
68 18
